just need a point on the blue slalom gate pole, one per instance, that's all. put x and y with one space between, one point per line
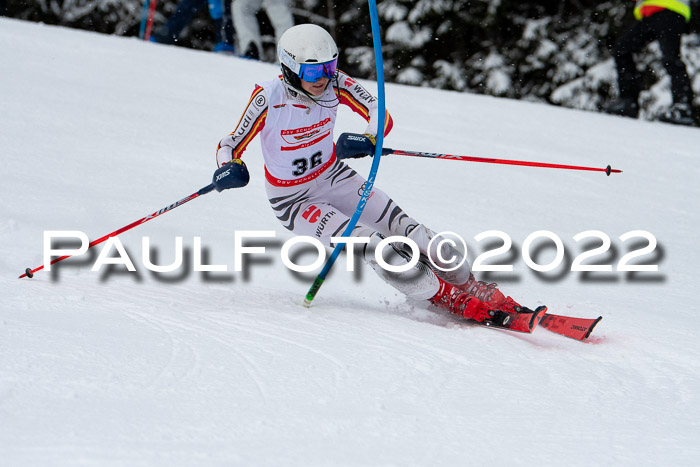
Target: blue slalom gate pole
144 18
375 163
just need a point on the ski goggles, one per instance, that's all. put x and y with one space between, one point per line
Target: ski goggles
312 72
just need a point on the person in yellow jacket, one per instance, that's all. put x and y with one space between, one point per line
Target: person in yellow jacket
663 21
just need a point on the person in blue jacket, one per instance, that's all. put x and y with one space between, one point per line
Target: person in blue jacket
185 11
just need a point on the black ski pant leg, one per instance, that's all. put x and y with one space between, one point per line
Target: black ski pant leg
670 27
229 32
631 42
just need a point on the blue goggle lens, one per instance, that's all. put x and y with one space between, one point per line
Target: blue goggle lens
312 72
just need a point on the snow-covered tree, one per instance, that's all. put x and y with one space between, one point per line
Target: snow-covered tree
555 51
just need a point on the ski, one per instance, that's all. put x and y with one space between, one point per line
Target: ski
524 321
575 328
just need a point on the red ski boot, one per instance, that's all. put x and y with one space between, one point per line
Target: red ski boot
484 291
519 318
505 313
462 304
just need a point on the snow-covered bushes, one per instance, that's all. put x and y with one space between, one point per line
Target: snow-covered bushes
555 51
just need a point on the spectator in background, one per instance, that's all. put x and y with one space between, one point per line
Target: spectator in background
247 27
185 11
664 21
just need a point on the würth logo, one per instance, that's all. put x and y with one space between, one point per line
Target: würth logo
312 214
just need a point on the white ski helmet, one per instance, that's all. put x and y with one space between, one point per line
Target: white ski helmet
307 52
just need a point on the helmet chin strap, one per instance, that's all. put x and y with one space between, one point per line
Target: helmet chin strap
317 99
320 102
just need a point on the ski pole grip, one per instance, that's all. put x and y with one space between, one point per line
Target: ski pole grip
353 145
233 174
206 189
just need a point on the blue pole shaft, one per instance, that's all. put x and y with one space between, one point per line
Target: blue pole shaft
144 18
375 163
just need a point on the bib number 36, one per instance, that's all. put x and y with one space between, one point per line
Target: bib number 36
303 164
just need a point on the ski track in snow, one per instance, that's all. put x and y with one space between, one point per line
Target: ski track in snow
138 369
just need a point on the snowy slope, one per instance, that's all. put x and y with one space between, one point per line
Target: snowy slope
188 368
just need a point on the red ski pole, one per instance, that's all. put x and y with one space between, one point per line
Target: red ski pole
232 175
149 23
608 170
30 272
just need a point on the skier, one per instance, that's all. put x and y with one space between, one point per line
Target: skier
313 193
662 20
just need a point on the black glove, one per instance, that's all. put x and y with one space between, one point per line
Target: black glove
353 145
233 174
